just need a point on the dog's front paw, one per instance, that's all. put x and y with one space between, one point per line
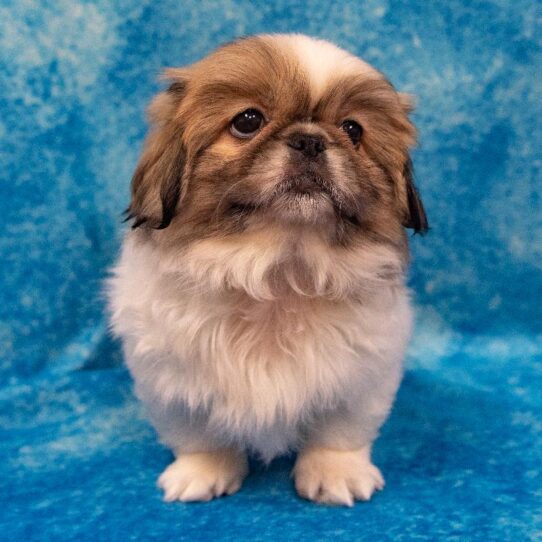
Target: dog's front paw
336 477
203 476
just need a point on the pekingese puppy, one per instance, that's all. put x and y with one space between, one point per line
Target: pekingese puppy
260 295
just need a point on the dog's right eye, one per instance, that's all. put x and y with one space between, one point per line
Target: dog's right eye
353 130
247 124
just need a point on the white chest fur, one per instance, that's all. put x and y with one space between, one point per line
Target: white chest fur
253 364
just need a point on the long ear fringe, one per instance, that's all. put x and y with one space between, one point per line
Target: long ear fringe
417 218
156 183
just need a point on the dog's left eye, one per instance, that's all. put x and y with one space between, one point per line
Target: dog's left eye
247 123
353 130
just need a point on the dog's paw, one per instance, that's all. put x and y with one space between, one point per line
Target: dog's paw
203 476
336 477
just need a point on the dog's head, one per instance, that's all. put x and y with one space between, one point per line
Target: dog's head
279 130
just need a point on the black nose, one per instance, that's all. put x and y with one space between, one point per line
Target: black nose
308 144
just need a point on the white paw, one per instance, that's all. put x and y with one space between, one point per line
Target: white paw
203 476
336 477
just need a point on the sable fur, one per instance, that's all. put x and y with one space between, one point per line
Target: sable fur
253 316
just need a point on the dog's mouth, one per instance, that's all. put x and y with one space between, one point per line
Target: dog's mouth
307 184
303 193
308 187
305 188
304 196
312 194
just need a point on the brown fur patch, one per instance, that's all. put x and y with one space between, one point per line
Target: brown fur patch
226 185
388 133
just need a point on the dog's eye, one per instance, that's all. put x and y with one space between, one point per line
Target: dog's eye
353 130
247 123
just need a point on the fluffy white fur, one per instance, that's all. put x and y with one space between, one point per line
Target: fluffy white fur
218 368
226 362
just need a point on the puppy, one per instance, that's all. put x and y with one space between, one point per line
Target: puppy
260 295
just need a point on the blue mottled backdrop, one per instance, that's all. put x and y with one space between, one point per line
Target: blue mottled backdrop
462 452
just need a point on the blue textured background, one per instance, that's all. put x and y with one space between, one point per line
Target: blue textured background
462 452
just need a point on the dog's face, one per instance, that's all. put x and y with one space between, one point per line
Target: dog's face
281 131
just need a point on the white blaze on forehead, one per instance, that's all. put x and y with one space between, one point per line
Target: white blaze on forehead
322 61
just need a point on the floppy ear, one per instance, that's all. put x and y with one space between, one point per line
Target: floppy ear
415 216
412 209
157 180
